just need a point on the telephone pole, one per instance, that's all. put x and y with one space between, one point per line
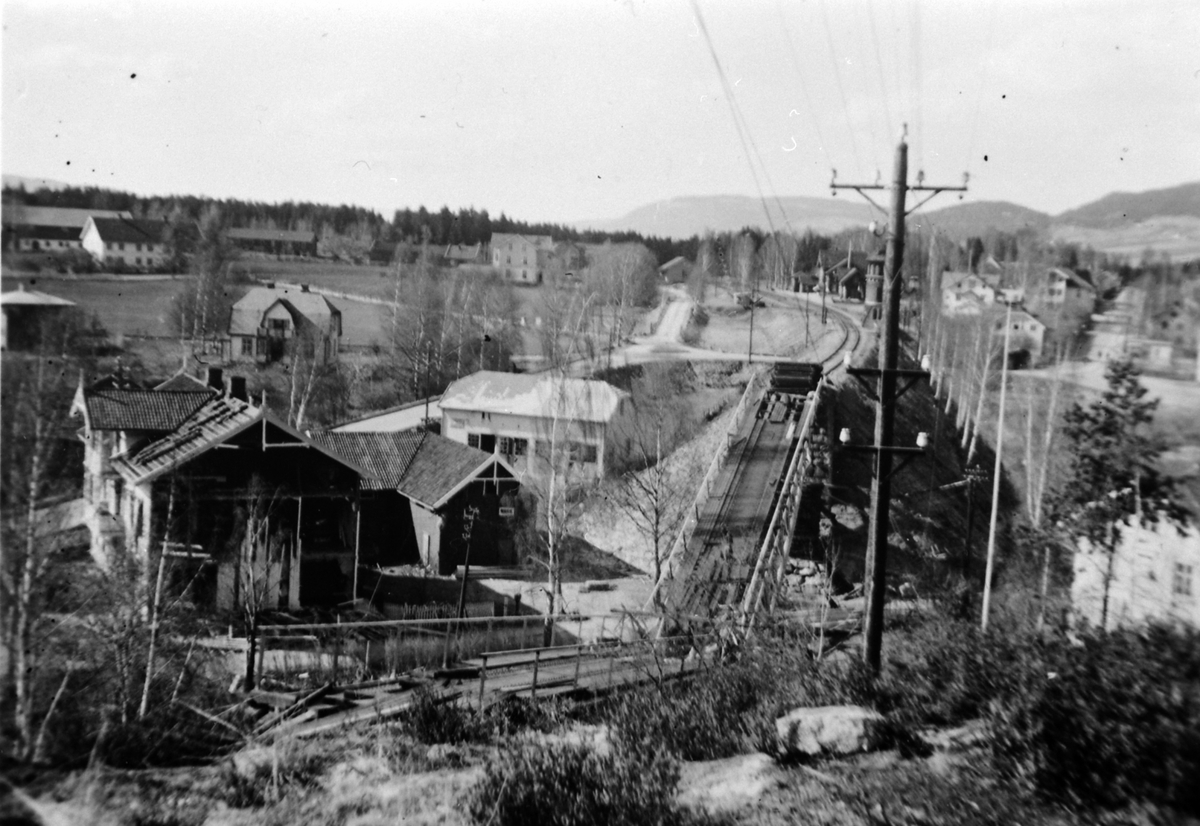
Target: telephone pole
886 394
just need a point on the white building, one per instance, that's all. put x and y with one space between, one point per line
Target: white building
521 417
1154 575
138 243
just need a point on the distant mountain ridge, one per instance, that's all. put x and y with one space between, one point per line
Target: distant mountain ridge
1167 220
1120 208
686 216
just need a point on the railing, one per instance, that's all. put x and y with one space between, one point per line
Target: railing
773 553
676 558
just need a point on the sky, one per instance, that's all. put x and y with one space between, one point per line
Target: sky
556 111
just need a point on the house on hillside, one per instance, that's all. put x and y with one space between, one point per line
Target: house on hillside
248 510
523 259
266 319
24 315
675 271
1062 291
49 229
456 255
421 496
137 243
274 241
1026 336
523 417
1153 576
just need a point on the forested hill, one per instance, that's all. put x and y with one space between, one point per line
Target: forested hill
1119 208
466 226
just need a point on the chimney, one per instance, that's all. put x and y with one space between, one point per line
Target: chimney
237 388
270 285
303 288
214 379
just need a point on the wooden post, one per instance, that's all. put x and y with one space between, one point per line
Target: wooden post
578 660
487 637
357 532
537 658
482 679
446 644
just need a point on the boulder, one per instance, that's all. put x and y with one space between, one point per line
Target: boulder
723 786
810 732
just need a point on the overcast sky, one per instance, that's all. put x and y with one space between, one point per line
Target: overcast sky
587 109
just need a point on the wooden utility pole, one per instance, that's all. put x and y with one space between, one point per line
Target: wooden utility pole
886 397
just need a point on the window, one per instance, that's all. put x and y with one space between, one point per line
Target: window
483 441
1181 583
511 446
247 346
582 453
121 246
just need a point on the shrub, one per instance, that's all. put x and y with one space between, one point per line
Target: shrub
1112 722
732 708
571 785
430 719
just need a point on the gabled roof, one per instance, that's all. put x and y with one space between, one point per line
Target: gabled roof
52 233
678 259
537 396
386 455
130 230
407 416
442 467
118 409
32 298
247 315
462 252
41 216
182 381
423 466
280 235
216 422
1075 278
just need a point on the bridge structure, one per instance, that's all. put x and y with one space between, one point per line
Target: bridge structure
761 494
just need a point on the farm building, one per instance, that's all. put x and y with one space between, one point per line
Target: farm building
274 241
265 320
138 243
675 270
49 229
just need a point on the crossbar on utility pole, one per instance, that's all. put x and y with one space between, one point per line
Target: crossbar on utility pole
886 396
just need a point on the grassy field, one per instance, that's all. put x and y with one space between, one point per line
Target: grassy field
127 307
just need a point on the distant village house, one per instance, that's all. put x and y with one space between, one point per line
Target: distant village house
138 243
266 320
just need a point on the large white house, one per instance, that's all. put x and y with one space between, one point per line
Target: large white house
133 242
524 417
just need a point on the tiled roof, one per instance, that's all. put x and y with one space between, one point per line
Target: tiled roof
116 409
421 465
211 424
40 216
130 230
51 233
522 394
247 316
440 468
386 455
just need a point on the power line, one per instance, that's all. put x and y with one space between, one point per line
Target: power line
738 121
812 111
837 75
887 110
984 69
915 56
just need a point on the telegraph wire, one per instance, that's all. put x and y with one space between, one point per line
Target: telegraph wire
837 75
887 109
738 121
812 110
984 69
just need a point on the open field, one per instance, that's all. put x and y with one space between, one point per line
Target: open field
130 307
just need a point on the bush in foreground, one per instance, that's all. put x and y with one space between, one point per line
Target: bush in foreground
1109 723
572 785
